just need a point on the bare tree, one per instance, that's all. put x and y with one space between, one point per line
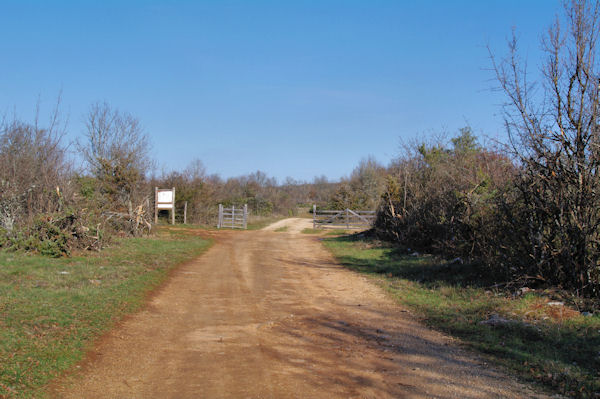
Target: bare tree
367 182
554 132
117 152
34 169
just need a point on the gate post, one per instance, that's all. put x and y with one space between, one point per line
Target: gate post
245 216
314 216
233 216
155 206
220 219
173 210
347 220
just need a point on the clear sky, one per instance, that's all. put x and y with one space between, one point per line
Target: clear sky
293 88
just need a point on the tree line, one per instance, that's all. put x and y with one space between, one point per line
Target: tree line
527 210
50 206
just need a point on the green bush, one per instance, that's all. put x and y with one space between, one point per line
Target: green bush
51 236
56 235
449 200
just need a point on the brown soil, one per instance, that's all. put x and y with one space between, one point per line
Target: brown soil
271 315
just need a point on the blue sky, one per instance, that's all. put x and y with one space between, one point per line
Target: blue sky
293 88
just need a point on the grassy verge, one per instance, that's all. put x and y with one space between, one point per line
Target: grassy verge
258 222
189 227
52 309
553 345
324 232
311 231
282 229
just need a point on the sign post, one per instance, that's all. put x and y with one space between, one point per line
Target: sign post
164 198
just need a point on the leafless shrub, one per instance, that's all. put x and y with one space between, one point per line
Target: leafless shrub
446 198
34 170
554 131
117 154
363 189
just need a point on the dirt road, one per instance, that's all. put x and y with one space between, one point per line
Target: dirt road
270 315
291 225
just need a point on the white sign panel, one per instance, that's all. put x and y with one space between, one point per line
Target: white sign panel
165 200
165 197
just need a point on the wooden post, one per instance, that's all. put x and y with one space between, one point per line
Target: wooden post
185 213
173 209
232 216
147 212
405 183
245 216
220 219
314 216
347 220
155 205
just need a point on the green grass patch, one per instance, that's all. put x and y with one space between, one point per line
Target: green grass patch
336 232
282 229
556 347
51 310
187 229
311 231
258 222
324 232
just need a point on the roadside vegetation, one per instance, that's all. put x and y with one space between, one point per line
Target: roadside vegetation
324 232
502 220
527 210
50 207
51 309
538 334
513 229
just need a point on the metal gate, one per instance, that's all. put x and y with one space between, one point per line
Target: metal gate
233 218
342 219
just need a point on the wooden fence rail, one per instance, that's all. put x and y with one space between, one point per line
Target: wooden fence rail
342 219
233 218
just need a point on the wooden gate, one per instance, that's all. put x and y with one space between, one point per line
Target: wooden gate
233 218
342 219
